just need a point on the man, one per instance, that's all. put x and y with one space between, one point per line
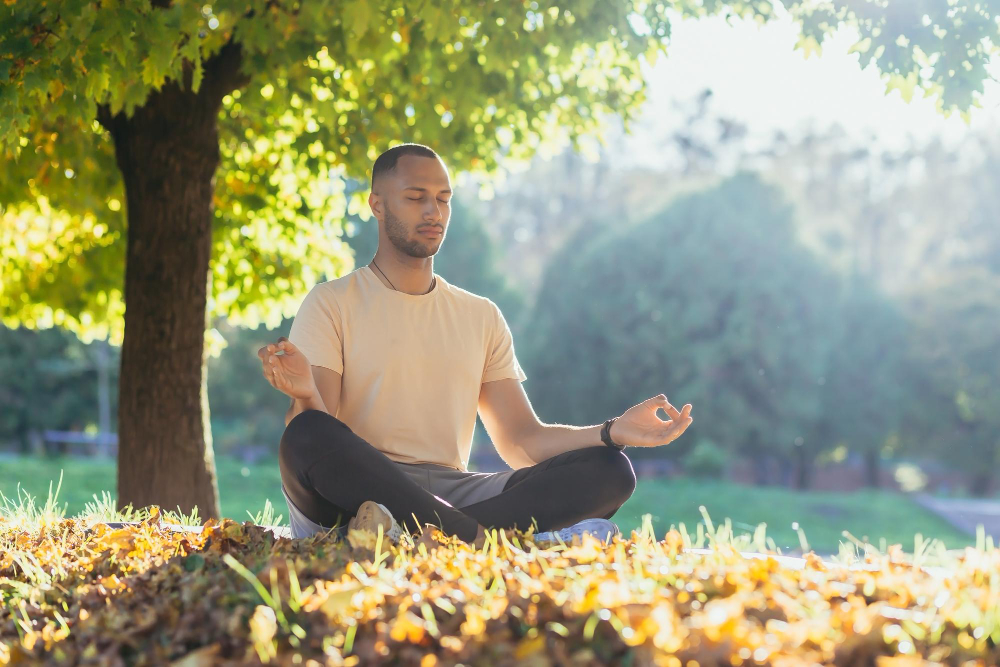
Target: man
387 367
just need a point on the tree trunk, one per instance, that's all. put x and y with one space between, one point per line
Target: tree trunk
803 468
786 469
871 468
981 482
168 151
760 460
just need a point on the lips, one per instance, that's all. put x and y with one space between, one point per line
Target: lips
430 232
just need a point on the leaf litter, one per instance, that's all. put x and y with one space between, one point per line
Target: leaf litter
75 591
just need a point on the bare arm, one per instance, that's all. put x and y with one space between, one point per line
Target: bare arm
522 440
326 399
518 435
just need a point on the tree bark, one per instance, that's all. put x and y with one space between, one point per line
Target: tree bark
872 468
803 468
168 152
981 483
760 459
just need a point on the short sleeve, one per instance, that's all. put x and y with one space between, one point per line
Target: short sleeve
501 361
317 330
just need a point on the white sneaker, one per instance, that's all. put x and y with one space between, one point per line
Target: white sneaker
602 529
370 516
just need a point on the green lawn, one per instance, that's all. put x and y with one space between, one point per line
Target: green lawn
241 488
871 514
821 515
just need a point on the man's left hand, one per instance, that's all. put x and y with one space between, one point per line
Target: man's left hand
641 427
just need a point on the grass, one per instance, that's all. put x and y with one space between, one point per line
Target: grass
242 488
823 516
867 515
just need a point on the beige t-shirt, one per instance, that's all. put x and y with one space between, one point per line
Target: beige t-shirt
412 365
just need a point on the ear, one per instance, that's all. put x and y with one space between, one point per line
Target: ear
375 204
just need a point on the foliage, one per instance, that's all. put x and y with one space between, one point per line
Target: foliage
942 49
246 411
864 374
712 302
898 225
349 80
957 352
76 589
707 459
49 381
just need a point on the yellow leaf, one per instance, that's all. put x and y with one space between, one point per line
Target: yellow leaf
201 657
263 624
528 647
809 46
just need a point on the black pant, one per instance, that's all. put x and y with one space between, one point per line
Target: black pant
328 471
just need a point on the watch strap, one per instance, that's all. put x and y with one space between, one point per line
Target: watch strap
606 435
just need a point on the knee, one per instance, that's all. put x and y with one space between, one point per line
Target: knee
305 432
618 474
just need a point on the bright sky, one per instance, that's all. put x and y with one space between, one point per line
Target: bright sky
758 77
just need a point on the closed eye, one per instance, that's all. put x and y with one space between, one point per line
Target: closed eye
443 201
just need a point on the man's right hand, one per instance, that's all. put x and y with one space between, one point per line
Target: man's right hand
290 372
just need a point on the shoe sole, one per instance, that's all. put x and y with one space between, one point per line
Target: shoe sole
369 517
602 534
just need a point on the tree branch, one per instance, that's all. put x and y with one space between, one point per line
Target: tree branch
222 71
105 118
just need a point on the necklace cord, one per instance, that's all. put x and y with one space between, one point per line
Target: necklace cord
384 276
390 282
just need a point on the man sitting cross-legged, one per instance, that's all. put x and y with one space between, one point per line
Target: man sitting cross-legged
387 367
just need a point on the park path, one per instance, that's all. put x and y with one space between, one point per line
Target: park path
965 513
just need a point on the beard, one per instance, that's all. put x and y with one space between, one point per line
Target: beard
397 233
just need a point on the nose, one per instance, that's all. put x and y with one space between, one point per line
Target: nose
433 212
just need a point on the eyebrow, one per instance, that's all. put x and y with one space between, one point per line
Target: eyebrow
414 187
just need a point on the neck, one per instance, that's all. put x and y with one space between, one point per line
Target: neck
412 275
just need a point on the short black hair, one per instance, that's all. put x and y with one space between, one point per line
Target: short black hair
386 162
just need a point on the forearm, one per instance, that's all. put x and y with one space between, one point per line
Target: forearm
548 440
301 405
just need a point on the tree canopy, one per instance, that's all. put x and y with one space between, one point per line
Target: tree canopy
474 80
348 79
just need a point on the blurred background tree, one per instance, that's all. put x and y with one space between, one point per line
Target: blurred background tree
713 300
53 381
956 415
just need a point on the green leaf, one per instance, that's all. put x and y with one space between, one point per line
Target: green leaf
194 563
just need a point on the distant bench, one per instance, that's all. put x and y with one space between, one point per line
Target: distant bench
102 443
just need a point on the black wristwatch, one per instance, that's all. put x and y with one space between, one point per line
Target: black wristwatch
606 435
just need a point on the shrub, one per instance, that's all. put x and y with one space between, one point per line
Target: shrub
707 459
